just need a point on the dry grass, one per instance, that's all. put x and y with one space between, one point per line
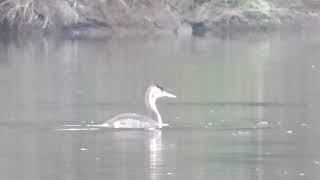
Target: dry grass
53 13
38 12
18 12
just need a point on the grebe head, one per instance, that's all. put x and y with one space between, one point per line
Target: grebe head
156 91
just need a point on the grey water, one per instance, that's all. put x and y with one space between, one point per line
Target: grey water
247 108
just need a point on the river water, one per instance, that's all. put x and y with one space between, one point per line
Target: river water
246 109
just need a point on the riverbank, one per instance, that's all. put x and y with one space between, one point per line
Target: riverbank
102 19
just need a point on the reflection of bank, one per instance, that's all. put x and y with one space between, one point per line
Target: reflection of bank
137 155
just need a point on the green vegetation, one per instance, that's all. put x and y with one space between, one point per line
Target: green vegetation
237 3
250 13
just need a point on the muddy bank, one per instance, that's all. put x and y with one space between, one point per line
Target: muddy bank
105 18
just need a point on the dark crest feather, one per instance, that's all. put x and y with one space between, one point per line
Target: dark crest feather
160 87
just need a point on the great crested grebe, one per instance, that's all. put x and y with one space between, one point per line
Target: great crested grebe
132 120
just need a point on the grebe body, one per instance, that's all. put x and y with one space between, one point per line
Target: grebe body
132 120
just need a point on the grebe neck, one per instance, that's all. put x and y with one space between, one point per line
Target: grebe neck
152 109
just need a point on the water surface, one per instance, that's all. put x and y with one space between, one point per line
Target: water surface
246 108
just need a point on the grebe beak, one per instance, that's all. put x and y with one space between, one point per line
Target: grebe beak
166 94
